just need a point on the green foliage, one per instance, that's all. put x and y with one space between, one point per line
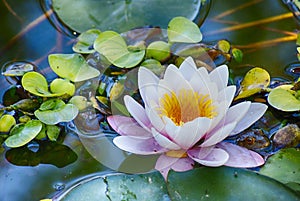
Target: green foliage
85 41
114 48
158 50
284 166
21 134
72 67
7 121
54 111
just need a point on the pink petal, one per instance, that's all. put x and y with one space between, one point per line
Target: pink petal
164 141
200 152
240 156
216 136
138 145
188 68
165 163
137 112
127 126
254 113
220 76
215 158
189 133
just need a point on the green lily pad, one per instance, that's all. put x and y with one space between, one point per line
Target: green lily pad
254 81
182 30
22 134
114 48
85 41
284 166
284 99
54 111
72 67
117 187
226 183
158 50
122 16
7 121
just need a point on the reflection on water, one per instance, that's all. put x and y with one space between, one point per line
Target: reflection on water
29 36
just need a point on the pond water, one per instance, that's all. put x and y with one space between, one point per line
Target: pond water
27 35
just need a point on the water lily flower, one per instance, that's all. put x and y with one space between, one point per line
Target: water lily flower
185 118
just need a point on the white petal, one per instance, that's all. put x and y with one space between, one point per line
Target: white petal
188 68
147 83
254 113
217 157
137 112
200 152
240 156
204 87
155 119
138 145
216 136
189 133
237 112
227 94
164 141
221 111
220 76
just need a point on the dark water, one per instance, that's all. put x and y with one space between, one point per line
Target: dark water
26 34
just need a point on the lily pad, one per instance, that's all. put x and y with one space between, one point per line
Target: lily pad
114 48
226 183
85 41
122 16
22 134
254 81
59 86
284 166
284 99
182 30
54 111
72 67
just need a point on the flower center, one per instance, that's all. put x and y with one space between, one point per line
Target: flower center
177 154
186 106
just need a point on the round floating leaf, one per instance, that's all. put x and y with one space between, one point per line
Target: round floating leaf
237 54
158 50
182 30
59 86
284 99
284 166
254 81
24 133
140 187
54 111
72 67
85 41
122 16
226 184
7 121
114 48
36 84
224 46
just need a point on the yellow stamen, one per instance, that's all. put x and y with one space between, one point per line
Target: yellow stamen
186 106
177 154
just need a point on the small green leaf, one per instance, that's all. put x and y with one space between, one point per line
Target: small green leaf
24 133
224 46
85 41
72 67
59 86
183 30
7 121
254 81
153 65
283 166
58 112
158 50
36 84
282 98
52 132
237 54
114 48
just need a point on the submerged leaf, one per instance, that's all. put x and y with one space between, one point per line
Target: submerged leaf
254 81
182 30
282 98
114 48
72 67
24 133
54 111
